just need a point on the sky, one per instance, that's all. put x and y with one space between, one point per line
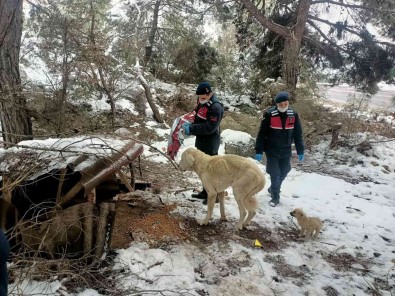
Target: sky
358 220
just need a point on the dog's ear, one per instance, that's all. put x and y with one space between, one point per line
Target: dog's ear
190 158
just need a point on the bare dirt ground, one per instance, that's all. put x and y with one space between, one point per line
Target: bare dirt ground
143 216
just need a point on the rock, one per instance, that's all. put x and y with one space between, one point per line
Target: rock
304 268
243 145
276 279
363 147
376 254
387 168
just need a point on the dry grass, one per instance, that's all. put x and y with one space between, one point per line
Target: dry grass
348 262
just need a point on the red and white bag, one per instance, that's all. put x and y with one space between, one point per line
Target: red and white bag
177 135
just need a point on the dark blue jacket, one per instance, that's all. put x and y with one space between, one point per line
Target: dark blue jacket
206 126
278 131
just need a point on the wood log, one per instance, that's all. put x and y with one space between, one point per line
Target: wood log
69 195
125 181
60 186
103 233
88 228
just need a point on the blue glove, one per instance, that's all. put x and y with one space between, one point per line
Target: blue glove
301 157
185 126
258 156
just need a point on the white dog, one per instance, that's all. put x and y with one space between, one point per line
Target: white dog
221 171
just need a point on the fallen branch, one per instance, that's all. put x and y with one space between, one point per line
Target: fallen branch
351 208
182 190
291 219
373 288
327 244
141 142
341 247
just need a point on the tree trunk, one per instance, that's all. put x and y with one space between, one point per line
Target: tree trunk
151 38
104 85
292 46
16 124
61 94
290 67
293 39
148 94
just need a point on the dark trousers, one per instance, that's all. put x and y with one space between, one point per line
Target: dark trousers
278 169
4 253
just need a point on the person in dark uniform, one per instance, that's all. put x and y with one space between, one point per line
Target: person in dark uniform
4 253
280 127
206 126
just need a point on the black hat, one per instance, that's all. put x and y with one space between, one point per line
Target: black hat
203 88
282 96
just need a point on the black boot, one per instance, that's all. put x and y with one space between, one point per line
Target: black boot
270 190
216 200
275 199
200 195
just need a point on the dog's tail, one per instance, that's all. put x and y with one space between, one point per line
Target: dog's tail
251 203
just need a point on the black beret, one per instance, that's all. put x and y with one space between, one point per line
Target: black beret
203 88
282 96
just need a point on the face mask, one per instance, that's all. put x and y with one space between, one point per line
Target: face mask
282 110
203 101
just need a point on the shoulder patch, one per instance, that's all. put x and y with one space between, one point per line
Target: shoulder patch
274 112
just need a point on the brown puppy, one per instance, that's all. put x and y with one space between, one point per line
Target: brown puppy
222 171
309 225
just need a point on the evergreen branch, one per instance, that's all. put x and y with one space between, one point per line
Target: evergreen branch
353 6
350 31
326 38
39 7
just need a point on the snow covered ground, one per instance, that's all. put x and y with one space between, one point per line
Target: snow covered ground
354 255
382 100
359 223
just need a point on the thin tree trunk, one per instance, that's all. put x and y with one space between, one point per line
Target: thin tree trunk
65 63
61 95
148 94
100 68
16 124
151 38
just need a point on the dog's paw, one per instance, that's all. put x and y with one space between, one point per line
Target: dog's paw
224 219
202 222
239 226
246 224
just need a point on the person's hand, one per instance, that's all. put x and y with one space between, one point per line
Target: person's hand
301 157
185 126
258 156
